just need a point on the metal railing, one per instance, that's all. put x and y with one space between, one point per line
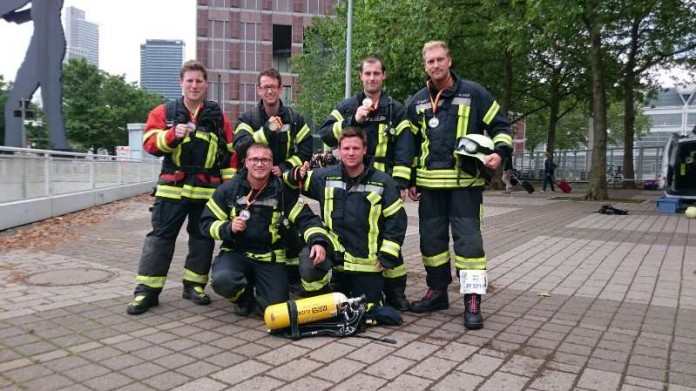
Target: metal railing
574 165
33 173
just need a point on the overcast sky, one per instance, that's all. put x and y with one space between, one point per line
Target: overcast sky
123 26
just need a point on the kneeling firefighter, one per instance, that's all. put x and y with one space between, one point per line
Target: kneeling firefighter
250 214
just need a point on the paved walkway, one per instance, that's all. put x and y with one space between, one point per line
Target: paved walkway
578 301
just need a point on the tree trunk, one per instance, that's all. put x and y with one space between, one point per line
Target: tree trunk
597 189
554 109
629 135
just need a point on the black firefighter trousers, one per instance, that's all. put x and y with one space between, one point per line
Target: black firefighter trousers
460 209
167 219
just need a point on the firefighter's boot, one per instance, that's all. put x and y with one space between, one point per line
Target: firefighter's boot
244 305
434 300
395 293
473 320
141 303
196 294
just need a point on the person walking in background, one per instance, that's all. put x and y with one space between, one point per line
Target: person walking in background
389 146
449 188
195 139
549 168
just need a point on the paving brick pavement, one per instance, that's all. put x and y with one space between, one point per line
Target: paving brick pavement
578 301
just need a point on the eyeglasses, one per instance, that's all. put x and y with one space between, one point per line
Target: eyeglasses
262 160
268 88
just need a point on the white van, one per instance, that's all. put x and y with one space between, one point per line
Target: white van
678 177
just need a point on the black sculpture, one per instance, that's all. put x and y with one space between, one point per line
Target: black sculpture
42 66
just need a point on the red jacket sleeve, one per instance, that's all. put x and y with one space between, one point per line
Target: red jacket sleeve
157 140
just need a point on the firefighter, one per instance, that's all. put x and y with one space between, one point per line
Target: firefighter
290 140
250 214
389 144
195 139
450 190
362 210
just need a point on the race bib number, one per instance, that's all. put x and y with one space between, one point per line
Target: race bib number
473 281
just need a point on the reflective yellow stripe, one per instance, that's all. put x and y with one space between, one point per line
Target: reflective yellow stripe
243 127
356 267
215 229
150 133
492 111
304 132
162 142
156 282
195 277
390 247
296 209
328 206
382 138
197 193
292 261
165 191
217 211
280 256
260 137
401 126
463 263
294 161
227 173
212 150
401 172
395 272
436 260
503 138
314 231
380 166
237 296
335 243
316 285
336 128
393 208
373 220
267 257
273 227
446 179
462 120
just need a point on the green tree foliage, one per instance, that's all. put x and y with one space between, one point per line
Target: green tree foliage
98 106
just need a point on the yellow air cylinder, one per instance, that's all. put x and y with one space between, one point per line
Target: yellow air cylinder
310 309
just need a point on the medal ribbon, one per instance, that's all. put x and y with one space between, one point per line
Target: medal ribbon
251 197
433 103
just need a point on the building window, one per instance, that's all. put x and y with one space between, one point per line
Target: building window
282 41
314 7
282 5
287 94
251 4
217 91
251 53
248 96
220 3
217 46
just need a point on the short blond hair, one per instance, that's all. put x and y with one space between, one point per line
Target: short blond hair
434 45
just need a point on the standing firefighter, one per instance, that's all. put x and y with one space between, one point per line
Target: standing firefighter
289 138
449 186
195 139
389 145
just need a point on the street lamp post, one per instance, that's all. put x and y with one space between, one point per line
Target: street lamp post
349 41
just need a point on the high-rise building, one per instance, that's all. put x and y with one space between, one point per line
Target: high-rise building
239 38
160 63
81 36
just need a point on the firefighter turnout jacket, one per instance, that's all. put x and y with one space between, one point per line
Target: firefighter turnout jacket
291 145
389 141
195 165
365 216
464 108
262 240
